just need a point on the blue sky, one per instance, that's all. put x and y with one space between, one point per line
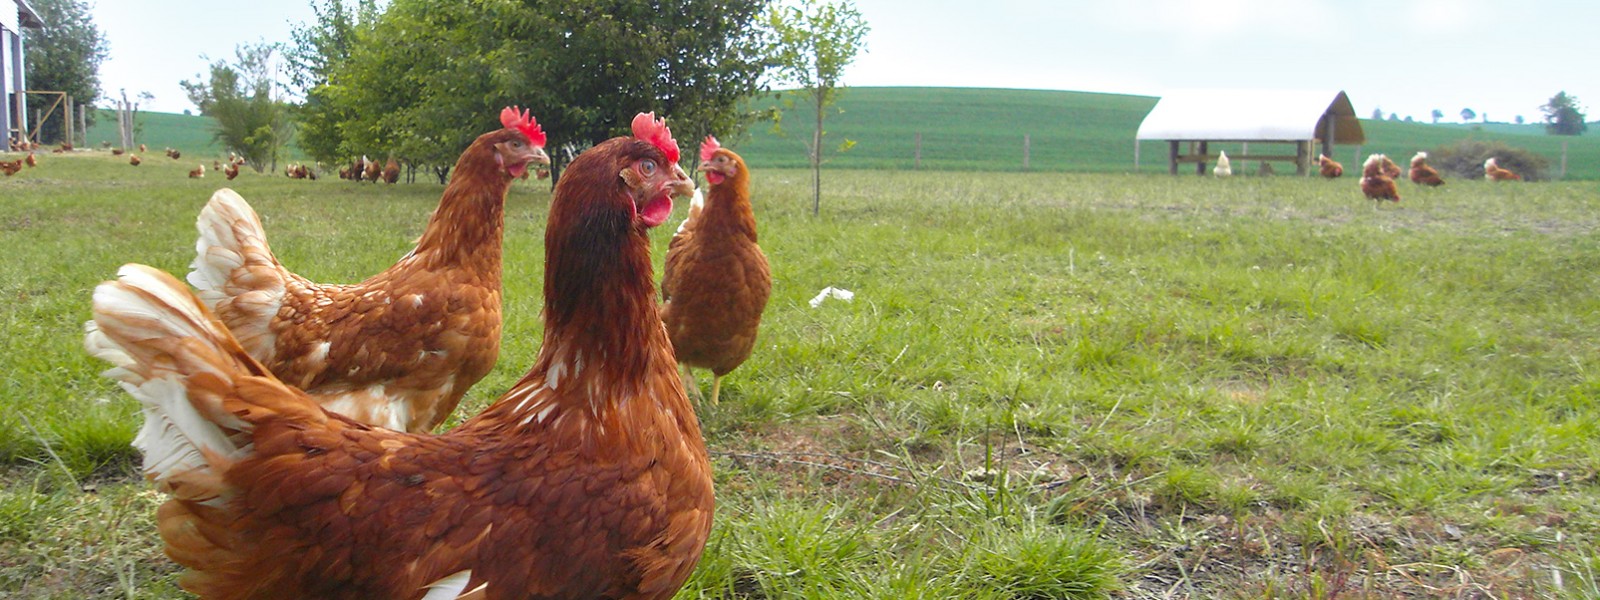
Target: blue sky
1405 56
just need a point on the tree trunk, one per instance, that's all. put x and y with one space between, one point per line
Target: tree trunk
816 158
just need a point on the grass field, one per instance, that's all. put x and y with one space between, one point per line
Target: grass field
1049 385
983 129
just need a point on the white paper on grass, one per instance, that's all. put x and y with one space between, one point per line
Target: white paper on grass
832 292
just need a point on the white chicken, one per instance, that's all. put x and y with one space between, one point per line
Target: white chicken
1223 168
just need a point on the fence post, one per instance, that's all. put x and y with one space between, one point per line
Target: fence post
83 125
1563 159
1136 156
919 150
66 123
1027 142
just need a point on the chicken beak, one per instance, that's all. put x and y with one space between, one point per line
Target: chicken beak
682 185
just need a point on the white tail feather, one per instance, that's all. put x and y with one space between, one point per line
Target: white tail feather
697 203
156 336
234 271
451 587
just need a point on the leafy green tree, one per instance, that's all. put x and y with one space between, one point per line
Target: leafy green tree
65 56
815 41
243 99
431 75
1562 116
1468 114
313 56
1437 114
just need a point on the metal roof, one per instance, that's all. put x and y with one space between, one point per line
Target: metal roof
1252 115
24 17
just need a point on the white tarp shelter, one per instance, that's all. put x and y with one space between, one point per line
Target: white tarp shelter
1302 118
13 105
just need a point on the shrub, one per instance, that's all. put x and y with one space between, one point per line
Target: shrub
1465 159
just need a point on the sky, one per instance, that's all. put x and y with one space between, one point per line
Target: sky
1500 58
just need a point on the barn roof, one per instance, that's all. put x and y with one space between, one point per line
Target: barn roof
1252 115
24 17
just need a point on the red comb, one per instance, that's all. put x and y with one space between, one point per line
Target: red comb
519 119
650 129
708 148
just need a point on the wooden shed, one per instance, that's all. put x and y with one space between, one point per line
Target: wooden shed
1202 117
14 115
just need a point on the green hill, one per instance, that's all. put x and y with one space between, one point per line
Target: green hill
187 133
983 130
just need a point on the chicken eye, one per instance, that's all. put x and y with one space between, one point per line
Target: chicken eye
516 143
648 166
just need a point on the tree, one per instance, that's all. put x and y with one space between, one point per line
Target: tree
1562 116
1437 114
243 98
816 40
65 56
1519 120
316 52
1377 113
429 76
1467 115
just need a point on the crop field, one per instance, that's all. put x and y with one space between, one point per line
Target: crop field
984 129
1048 385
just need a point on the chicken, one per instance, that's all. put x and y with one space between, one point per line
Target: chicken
143 148
1223 168
1422 174
10 167
1493 172
198 171
133 159
716 281
1374 183
1329 168
588 479
231 171
371 171
399 349
391 172
116 152
30 160
1390 170
174 154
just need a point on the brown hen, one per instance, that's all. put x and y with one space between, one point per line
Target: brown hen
589 479
401 348
1375 184
716 281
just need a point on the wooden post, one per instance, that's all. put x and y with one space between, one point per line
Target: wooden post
919 150
83 124
1327 138
1205 152
66 122
1027 151
1563 159
1302 157
1172 158
1136 156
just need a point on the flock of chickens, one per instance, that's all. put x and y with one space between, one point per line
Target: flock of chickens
288 421
1379 173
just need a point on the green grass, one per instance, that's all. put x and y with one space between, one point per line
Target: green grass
1049 385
